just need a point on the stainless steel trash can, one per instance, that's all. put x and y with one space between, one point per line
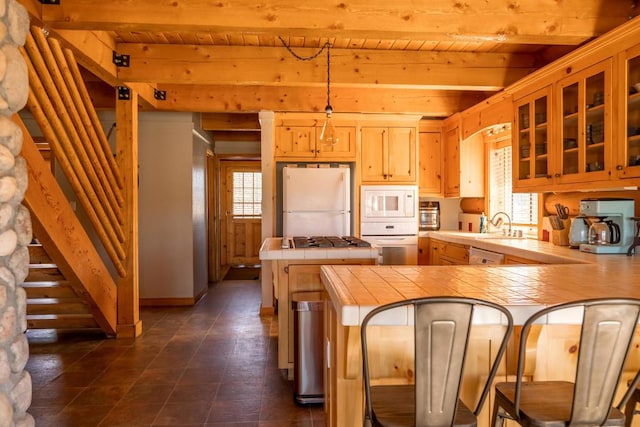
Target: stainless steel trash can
308 310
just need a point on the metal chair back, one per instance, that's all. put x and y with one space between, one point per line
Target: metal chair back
442 326
606 334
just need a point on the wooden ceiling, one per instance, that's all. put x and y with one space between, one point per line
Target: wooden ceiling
431 57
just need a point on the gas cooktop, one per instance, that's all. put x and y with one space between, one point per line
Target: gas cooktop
328 242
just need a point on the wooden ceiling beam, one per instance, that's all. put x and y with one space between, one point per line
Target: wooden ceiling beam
231 65
230 122
526 21
202 98
94 51
236 136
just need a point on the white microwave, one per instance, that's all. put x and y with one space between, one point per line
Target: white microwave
383 202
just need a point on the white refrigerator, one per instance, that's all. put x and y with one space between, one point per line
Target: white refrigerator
316 201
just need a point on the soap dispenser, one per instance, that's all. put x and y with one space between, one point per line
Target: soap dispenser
483 223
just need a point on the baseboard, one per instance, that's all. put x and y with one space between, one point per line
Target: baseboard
167 302
267 311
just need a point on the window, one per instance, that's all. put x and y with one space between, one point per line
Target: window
247 194
521 207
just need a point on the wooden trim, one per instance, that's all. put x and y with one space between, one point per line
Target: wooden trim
267 311
129 323
169 302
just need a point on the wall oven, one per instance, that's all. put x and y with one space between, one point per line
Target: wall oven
389 220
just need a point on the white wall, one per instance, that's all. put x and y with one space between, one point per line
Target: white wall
199 213
172 213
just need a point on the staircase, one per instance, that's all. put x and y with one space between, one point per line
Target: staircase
52 303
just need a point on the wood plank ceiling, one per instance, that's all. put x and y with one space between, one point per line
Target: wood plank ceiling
431 57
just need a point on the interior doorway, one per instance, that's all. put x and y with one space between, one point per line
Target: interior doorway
241 207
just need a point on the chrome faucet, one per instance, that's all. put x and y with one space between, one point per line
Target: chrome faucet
498 222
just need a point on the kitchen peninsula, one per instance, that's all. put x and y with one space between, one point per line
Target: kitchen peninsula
297 269
352 291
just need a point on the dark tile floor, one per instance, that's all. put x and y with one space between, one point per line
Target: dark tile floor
214 364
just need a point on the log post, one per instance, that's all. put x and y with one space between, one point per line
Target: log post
129 323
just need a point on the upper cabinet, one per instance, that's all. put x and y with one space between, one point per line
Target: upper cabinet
530 138
585 140
628 153
591 99
430 160
388 154
301 139
464 161
563 133
451 132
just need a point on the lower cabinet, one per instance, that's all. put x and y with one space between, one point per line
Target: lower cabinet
298 276
423 251
448 253
512 259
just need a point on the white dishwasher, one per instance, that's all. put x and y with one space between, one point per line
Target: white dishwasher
480 256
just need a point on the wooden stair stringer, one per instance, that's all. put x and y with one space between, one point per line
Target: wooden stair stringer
64 238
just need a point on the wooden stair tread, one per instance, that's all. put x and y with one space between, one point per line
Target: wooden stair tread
37 254
66 321
48 289
42 274
57 306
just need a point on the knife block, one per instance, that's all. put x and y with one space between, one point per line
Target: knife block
561 237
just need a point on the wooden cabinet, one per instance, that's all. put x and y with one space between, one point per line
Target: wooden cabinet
298 276
628 148
532 157
423 251
302 141
451 149
512 259
388 154
563 133
464 161
430 163
585 140
448 253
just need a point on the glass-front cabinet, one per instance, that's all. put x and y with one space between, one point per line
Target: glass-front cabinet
531 139
628 158
585 142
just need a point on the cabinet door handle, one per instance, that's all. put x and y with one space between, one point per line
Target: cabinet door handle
619 167
557 175
549 176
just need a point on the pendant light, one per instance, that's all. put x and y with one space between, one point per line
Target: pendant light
328 134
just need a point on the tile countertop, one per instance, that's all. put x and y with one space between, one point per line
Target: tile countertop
356 290
271 250
537 250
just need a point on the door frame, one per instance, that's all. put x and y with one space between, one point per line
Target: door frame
224 164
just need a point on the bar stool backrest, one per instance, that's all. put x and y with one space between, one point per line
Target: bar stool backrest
605 338
441 332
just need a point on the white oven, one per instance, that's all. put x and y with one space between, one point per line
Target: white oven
389 220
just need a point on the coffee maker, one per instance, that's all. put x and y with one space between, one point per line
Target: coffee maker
611 230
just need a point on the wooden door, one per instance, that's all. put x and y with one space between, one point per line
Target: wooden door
295 141
586 125
344 149
241 221
401 157
430 163
452 160
374 154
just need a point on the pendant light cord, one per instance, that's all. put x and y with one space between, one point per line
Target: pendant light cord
328 109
